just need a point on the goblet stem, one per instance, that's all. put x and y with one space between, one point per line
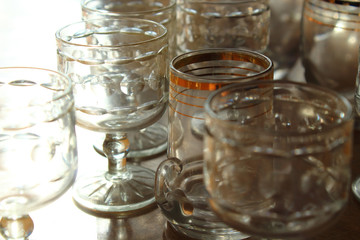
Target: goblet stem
116 147
120 191
16 227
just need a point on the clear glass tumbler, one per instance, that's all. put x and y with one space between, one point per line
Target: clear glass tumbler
205 24
330 37
278 157
179 186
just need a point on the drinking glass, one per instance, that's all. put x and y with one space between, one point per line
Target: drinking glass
152 139
179 188
284 43
38 151
119 68
277 157
329 44
203 24
161 11
356 183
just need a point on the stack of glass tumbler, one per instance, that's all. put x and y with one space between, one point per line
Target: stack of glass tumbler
250 151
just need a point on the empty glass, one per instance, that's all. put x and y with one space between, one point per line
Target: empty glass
329 43
284 44
152 139
119 69
356 183
38 151
179 188
277 157
205 24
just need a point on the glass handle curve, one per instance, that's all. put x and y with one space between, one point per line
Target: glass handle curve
166 174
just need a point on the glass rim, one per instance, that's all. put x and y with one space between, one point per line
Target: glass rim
340 6
84 6
67 90
186 57
60 37
348 111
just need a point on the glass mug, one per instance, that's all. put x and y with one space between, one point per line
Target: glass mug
278 157
179 187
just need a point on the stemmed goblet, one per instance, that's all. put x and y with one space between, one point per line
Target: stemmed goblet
119 70
277 157
38 151
151 140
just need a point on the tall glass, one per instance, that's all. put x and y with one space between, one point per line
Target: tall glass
330 37
278 157
152 139
205 24
119 68
356 183
38 150
179 187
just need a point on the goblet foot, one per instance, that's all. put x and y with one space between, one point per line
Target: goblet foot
16 227
107 195
144 143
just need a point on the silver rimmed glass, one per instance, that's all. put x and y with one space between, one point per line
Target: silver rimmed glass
151 140
38 151
119 69
278 157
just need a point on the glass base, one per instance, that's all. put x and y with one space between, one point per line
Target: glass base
16 227
116 196
356 188
211 234
144 143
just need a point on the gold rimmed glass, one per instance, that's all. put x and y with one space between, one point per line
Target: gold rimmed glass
119 70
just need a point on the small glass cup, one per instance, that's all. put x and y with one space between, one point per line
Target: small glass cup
330 37
179 186
222 24
278 157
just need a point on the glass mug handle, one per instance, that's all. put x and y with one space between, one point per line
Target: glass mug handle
168 193
166 175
